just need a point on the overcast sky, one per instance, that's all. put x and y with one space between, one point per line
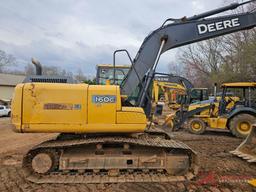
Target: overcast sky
77 34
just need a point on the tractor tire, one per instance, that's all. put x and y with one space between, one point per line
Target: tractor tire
241 125
196 126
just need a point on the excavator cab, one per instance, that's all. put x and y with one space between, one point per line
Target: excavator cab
106 72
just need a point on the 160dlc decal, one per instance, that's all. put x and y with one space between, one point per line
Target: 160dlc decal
100 99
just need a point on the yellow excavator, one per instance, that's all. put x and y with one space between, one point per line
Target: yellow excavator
175 91
167 89
104 137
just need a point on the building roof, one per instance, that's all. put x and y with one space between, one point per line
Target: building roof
10 79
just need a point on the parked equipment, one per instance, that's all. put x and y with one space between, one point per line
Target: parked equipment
169 92
103 136
176 91
168 87
236 113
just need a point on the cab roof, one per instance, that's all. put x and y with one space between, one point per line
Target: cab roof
239 84
200 88
111 66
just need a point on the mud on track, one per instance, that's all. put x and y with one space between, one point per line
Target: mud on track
220 171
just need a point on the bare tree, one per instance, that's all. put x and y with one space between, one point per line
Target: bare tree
80 76
6 60
224 59
29 69
48 70
202 61
176 68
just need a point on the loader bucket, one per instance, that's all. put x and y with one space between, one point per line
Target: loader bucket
247 149
169 121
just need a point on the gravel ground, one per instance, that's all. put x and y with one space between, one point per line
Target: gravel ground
220 171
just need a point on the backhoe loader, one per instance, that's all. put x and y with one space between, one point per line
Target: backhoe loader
104 137
236 112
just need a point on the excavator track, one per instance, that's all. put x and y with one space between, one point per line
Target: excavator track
99 160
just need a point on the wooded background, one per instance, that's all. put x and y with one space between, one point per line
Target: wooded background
229 58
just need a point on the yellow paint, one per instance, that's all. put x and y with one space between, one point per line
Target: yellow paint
196 126
108 82
244 128
65 108
130 115
217 123
16 106
103 113
239 84
212 119
252 182
36 96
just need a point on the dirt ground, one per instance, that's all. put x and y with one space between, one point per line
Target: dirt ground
220 171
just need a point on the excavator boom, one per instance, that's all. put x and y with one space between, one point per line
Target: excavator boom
179 33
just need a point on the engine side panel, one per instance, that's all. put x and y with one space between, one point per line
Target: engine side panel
73 108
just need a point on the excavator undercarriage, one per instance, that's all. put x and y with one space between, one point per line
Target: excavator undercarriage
103 159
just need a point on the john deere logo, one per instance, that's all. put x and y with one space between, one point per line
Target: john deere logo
218 26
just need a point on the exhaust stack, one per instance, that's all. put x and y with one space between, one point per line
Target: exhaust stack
215 91
38 66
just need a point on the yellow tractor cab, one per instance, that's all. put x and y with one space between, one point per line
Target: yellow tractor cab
234 110
246 91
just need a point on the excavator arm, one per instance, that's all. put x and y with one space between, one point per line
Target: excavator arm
181 32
